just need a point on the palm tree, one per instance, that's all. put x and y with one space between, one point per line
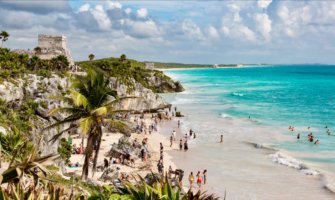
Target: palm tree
60 62
4 37
91 56
91 108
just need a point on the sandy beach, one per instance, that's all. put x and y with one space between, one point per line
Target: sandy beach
140 168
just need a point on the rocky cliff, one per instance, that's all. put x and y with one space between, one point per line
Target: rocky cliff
45 90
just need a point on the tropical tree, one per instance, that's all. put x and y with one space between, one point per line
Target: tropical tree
91 56
37 50
60 62
123 58
91 107
4 37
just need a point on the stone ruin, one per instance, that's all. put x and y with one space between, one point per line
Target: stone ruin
53 46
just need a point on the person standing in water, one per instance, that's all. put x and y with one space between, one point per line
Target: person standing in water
221 141
191 179
181 144
205 176
298 136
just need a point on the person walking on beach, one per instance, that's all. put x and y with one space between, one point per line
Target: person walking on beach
174 135
178 123
205 176
221 141
193 135
171 140
185 145
191 179
199 179
191 132
181 144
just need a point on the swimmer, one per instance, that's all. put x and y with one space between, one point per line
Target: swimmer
316 142
298 136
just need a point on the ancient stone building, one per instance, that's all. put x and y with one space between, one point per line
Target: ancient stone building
53 46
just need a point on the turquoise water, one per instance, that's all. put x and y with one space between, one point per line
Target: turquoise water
276 96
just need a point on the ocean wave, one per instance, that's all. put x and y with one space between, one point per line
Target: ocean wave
289 161
238 94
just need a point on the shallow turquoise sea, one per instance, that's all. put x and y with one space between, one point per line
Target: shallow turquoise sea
274 96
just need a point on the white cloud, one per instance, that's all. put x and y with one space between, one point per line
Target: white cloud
113 5
142 13
191 29
247 33
212 32
263 3
101 17
142 29
84 8
263 24
127 11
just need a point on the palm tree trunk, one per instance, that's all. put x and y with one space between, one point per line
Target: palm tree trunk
88 154
98 140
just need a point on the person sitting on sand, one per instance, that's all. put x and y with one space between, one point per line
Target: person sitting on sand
191 179
181 144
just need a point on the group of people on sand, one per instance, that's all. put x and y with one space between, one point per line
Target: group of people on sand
310 136
201 178
142 127
160 164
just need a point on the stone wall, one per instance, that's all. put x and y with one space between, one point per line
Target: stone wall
53 46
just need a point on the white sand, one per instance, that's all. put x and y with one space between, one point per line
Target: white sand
109 138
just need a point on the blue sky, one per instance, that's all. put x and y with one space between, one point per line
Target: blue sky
253 31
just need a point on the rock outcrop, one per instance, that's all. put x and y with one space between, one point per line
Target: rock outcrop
45 90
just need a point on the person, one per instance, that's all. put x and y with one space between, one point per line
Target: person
191 179
181 144
174 135
175 108
221 141
193 135
170 171
298 136
161 147
310 137
171 140
185 146
199 179
205 176
160 166
316 142
105 163
191 132
178 123
326 126
185 136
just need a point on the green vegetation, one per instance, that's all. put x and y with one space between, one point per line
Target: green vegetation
91 56
65 150
126 71
89 105
160 65
13 65
3 37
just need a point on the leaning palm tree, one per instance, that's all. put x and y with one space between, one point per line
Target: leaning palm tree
4 37
91 107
